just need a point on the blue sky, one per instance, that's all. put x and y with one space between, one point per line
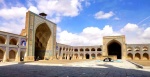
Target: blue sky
127 11
83 22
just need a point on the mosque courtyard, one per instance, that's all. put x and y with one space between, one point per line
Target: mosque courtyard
84 68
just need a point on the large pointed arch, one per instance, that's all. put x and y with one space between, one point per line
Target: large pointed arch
114 48
42 39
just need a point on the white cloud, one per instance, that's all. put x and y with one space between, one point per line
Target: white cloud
89 36
135 34
130 28
13 19
94 35
116 18
13 26
146 33
60 7
14 15
56 19
58 29
13 12
102 15
33 9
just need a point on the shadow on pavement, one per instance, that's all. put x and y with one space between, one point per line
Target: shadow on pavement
25 70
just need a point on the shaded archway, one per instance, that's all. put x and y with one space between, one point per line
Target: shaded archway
130 56
22 54
76 50
70 57
13 41
67 49
99 55
93 56
81 56
1 54
81 50
93 49
87 56
145 56
99 49
114 48
63 57
76 56
87 49
12 55
66 56
42 40
2 40
137 56
57 55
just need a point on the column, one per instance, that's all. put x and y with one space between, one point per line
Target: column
18 51
17 55
90 53
5 59
84 57
6 54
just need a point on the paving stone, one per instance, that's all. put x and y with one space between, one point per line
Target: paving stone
77 69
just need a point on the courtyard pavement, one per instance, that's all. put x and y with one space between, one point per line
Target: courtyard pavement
95 68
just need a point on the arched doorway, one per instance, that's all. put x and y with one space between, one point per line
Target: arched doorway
22 54
130 56
99 55
12 55
42 38
114 48
87 56
93 56
76 56
81 56
1 55
137 56
70 57
63 57
66 56
145 56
